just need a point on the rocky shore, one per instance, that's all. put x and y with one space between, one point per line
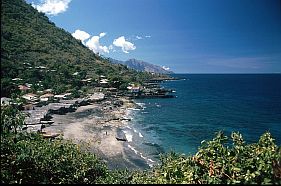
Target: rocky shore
97 120
97 125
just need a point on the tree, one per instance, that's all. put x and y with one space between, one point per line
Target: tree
12 119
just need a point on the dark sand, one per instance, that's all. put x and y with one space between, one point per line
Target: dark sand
97 125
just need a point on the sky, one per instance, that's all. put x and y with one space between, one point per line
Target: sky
187 36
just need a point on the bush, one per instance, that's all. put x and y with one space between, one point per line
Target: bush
215 163
33 159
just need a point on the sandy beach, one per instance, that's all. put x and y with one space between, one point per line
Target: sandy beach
97 124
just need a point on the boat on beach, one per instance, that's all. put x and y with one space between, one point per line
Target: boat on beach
50 135
120 136
46 122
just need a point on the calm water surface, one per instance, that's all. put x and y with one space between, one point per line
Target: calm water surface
205 104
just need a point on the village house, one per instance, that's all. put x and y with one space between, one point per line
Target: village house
46 97
59 96
39 92
104 82
5 101
133 88
89 80
41 67
28 85
27 64
62 96
48 90
23 88
30 97
17 79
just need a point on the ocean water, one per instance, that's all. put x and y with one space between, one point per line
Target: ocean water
205 104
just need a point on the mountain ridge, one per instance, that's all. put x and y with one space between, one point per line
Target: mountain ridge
141 65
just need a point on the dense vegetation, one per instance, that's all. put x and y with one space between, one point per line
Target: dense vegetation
36 51
217 163
28 158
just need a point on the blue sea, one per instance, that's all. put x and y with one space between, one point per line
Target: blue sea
205 104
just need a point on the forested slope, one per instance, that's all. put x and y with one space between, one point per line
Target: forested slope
29 41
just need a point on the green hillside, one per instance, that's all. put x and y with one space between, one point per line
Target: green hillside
35 50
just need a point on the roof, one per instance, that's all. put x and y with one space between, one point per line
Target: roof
48 90
60 96
47 95
5 101
23 87
43 99
104 81
84 80
30 96
16 79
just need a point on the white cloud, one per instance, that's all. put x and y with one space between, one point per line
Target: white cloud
125 45
95 46
52 7
138 37
102 34
147 36
92 43
166 68
81 35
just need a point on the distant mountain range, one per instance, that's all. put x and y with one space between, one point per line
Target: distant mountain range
140 65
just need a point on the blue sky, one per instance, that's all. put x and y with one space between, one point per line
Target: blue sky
189 36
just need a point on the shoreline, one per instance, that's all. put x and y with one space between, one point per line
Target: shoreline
98 124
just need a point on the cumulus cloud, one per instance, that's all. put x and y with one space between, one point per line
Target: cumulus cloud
52 7
95 46
102 34
81 35
125 45
147 36
93 43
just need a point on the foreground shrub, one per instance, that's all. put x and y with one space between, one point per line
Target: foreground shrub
33 159
216 163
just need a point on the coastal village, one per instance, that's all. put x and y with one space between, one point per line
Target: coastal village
39 106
